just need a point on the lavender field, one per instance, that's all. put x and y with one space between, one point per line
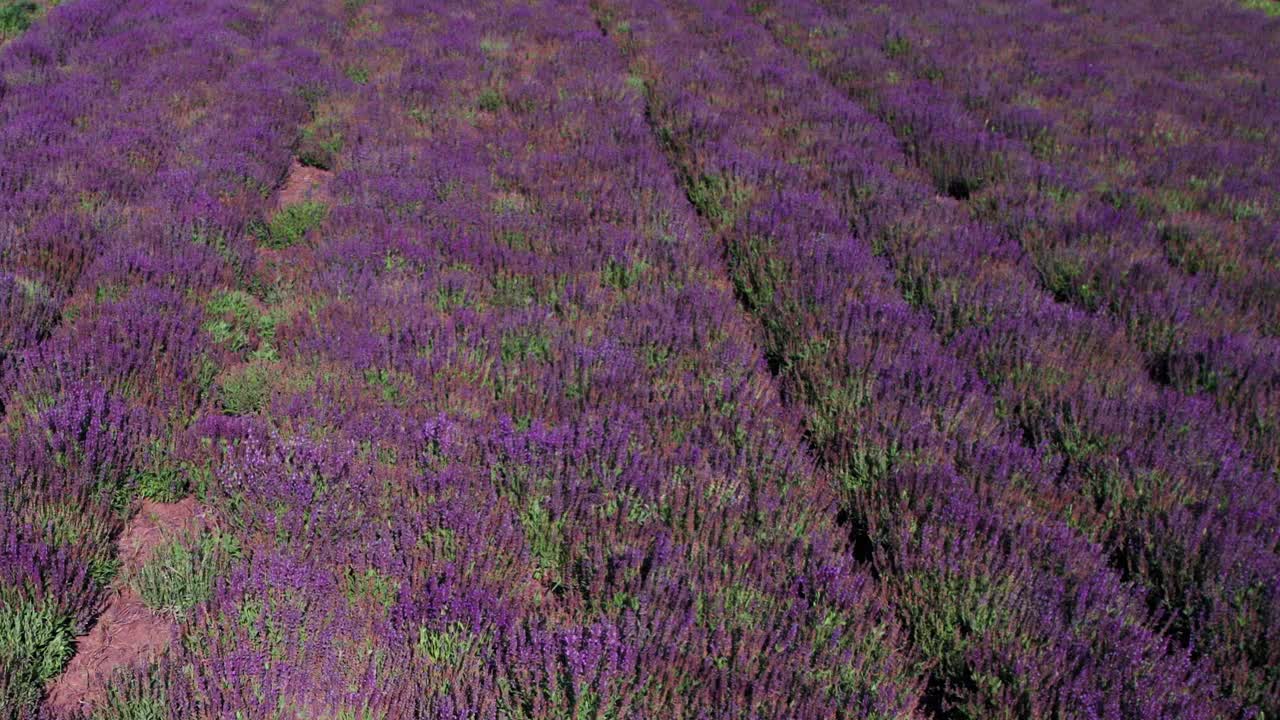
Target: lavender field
613 359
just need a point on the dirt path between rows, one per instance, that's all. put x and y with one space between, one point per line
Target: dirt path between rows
126 632
305 183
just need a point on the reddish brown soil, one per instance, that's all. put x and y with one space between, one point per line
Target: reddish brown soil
292 265
127 632
152 525
304 183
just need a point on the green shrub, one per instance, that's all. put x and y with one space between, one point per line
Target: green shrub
371 586
494 46
16 16
103 569
163 483
160 477
357 74
35 645
181 573
524 345
134 696
1270 7
63 523
321 142
448 647
896 46
490 100
291 224
545 536
622 276
247 390
395 387
718 198
236 323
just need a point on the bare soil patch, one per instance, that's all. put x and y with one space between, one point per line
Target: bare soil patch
127 632
305 183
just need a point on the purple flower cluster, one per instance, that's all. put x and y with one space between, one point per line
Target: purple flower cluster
136 140
645 358
901 414
520 456
1145 209
1176 496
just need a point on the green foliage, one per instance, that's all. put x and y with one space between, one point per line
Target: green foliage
134 697
524 345
869 650
35 645
1045 146
656 355
1189 250
103 569
1076 441
515 240
446 647
1270 7
621 276
558 696
33 289
16 16
953 610
162 483
756 273
448 298
321 142
717 198
867 466
835 410
216 242
511 290
393 261
236 322
290 225
494 46
371 586
206 372
545 537
1065 278
160 477
490 100
64 523
440 542
181 573
897 46
1244 210
357 74
952 613
110 292
736 607
246 391
395 387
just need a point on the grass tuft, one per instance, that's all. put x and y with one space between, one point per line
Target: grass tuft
35 645
16 16
246 390
181 573
1270 7
290 225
